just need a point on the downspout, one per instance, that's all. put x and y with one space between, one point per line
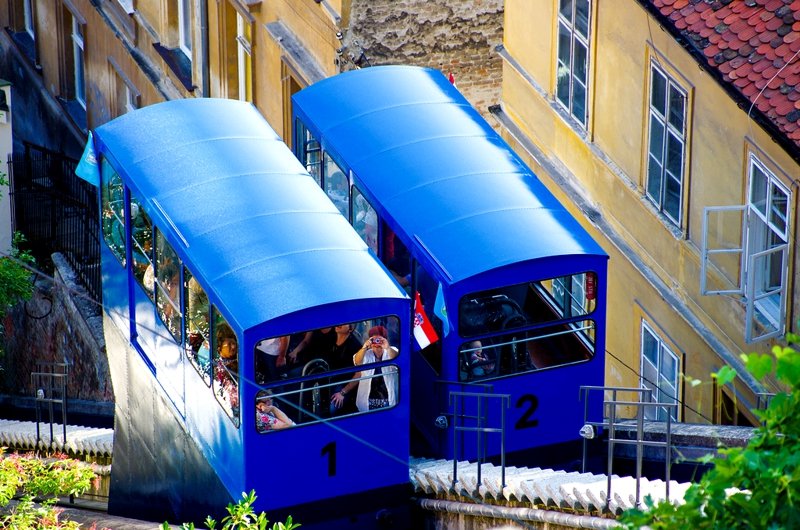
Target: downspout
205 82
492 511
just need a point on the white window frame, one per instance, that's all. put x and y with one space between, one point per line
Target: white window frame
27 8
765 301
658 162
131 99
185 27
244 58
79 74
577 41
662 355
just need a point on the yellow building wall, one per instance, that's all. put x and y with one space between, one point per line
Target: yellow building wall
608 163
310 24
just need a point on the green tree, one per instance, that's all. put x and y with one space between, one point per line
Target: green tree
15 272
15 276
752 487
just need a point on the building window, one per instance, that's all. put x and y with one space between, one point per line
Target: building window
666 144
244 35
290 86
27 7
112 198
167 286
659 373
126 97
176 48
78 62
225 348
767 239
237 44
745 251
185 27
572 74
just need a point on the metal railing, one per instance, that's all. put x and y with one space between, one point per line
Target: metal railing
57 212
49 382
478 424
612 422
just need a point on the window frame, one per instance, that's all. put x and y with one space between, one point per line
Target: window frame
28 18
222 374
113 218
167 270
769 244
664 120
184 13
737 262
77 37
141 257
332 377
663 350
244 56
576 39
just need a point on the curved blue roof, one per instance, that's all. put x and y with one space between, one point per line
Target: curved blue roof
439 170
262 236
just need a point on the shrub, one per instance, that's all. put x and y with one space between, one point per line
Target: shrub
756 486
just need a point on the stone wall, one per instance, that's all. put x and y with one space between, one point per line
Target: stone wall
59 324
457 37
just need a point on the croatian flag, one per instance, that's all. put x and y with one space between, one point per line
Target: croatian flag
423 329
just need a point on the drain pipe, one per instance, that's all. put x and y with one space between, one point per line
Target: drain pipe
205 82
516 514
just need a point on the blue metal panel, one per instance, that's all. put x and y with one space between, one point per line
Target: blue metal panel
184 157
439 170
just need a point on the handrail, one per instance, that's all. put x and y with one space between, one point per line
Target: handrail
456 399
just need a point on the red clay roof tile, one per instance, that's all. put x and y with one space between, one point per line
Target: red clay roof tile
749 42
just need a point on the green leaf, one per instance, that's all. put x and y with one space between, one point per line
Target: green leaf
725 375
759 364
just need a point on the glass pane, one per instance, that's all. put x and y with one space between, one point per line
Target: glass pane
677 109
142 249
779 209
226 366
658 92
581 59
565 9
198 316
674 155
649 346
579 101
168 303
313 158
113 206
525 351
582 17
758 188
564 73
669 366
656 138
654 176
339 349
365 220
672 198
337 187
516 306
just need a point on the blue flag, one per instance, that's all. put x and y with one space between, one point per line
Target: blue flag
88 169
440 310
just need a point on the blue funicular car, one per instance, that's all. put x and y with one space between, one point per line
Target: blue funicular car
220 256
513 286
